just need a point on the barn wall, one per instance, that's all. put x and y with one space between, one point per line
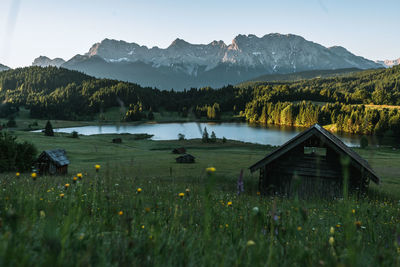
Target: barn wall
308 175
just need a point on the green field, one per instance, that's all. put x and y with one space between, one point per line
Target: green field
157 227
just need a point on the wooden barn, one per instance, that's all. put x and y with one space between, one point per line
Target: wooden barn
314 163
117 140
187 158
179 150
52 162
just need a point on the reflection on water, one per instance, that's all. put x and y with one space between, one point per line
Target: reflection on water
272 135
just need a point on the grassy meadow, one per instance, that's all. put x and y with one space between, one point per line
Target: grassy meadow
143 209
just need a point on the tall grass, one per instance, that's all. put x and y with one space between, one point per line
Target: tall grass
104 220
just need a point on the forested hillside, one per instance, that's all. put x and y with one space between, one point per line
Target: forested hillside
56 93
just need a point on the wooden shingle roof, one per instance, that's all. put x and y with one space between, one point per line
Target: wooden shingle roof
58 156
329 139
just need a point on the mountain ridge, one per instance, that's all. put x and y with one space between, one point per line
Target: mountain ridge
4 67
389 63
184 65
43 61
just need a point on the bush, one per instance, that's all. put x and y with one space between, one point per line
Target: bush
223 140
74 134
11 123
181 137
15 156
364 142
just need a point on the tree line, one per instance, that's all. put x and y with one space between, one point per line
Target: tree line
57 93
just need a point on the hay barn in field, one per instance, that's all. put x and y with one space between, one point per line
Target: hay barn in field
179 150
53 162
314 163
187 158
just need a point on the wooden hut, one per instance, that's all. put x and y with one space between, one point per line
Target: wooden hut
52 162
179 150
313 163
187 158
117 140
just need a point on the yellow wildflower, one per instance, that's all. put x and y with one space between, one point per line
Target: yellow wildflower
139 190
210 170
353 211
97 167
142 226
42 214
66 186
299 228
75 179
226 225
229 203
181 195
332 230
17 174
358 224
331 240
79 175
250 243
258 193
34 175
121 213
61 195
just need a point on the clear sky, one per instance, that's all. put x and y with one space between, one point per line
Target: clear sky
64 28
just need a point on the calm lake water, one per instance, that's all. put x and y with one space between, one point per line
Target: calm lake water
272 135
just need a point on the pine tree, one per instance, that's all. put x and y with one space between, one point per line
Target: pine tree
48 130
213 137
150 116
205 137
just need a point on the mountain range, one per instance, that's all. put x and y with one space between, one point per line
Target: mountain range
389 63
184 65
3 67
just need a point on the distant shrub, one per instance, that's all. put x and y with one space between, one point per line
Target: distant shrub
15 156
223 140
11 123
74 134
181 137
364 142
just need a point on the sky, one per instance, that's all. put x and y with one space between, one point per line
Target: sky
64 28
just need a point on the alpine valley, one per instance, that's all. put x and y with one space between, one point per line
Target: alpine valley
184 65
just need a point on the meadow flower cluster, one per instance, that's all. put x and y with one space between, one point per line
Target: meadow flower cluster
110 219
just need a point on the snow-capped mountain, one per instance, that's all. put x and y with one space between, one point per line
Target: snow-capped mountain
3 67
389 63
43 61
184 65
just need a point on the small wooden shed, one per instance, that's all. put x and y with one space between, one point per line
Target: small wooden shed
314 163
117 140
179 150
52 162
187 158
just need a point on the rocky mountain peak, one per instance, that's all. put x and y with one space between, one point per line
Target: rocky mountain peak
43 61
179 43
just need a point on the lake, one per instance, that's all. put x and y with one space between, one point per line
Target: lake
271 135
